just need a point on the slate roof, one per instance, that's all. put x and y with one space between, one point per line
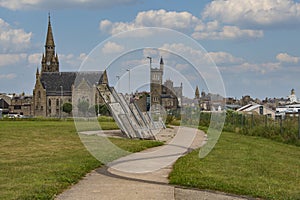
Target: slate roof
52 81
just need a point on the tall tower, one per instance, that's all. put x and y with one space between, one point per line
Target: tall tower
50 59
156 83
197 94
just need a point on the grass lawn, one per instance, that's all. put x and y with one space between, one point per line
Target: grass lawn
39 159
243 165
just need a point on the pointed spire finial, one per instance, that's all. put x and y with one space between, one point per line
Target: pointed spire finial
161 60
49 39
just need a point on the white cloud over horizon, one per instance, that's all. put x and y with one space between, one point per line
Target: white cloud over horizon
221 58
181 21
8 76
152 18
13 39
112 48
286 58
253 13
23 60
8 60
227 32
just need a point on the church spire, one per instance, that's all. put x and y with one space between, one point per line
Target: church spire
50 61
49 39
37 74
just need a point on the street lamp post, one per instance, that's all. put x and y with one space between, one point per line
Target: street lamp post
97 101
129 80
1 109
2 103
61 96
150 60
118 77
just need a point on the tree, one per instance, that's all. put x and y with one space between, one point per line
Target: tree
83 106
101 109
67 108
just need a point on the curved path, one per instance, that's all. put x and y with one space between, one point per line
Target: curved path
162 157
144 175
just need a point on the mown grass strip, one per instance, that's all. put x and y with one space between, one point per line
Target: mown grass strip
243 165
39 159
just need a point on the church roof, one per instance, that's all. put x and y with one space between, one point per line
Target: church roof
57 82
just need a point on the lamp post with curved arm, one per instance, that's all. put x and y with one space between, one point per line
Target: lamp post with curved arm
150 60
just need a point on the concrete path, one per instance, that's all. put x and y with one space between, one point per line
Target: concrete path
144 175
160 158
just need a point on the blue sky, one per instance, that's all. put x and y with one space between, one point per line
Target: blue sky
255 44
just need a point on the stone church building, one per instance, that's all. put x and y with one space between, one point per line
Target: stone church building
53 88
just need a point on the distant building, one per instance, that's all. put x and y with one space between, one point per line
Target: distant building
291 110
292 97
166 94
5 101
246 100
253 108
21 104
16 104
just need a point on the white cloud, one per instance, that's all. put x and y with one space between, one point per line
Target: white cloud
253 12
12 59
284 57
221 58
58 4
68 61
246 67
7 76
35 59
181 67
182 21
163 18
112 47
71 61
11 39
153 18
226 32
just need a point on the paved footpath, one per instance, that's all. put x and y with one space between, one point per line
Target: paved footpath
144 175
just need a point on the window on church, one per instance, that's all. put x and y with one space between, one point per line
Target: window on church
39 94
57 102
42 107
49 102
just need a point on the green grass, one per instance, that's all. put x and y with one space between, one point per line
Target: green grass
135 145
39 159
243 165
